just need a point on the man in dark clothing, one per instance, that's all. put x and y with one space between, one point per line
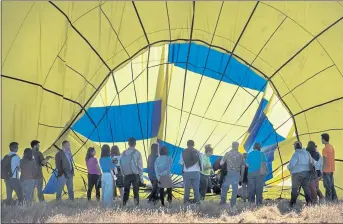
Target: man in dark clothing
153 197
64 165
191 163
222 170
40 161
244 182
131 165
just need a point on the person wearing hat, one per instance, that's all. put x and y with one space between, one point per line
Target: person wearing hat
299 166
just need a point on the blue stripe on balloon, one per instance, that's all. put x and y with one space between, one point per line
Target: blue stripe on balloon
236 73
121 122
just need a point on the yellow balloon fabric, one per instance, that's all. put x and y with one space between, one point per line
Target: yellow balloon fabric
216 72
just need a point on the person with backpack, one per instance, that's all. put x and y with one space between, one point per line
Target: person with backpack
131 165
235 169
28 175
10 168
190 160
162 167
119 183
257 170
40 161
151 172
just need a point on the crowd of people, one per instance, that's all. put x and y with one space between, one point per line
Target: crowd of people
115 172
308 167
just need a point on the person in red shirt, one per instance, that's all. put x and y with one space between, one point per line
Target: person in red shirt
328 168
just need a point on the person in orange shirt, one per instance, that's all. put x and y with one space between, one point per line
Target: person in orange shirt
328 168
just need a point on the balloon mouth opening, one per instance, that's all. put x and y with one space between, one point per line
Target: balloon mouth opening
168 84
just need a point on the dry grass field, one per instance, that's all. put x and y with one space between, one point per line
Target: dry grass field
81 211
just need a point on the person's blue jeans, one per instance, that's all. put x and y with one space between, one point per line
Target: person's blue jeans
301 179
191 180
231 179
39 186
255 187
329 185
62 181
28 187
14 184
107 189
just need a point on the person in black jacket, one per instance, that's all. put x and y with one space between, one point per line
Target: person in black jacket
153 197
222 170
244 182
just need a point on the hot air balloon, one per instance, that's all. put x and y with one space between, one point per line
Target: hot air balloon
215 72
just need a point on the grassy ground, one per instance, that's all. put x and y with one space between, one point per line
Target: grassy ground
82 211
